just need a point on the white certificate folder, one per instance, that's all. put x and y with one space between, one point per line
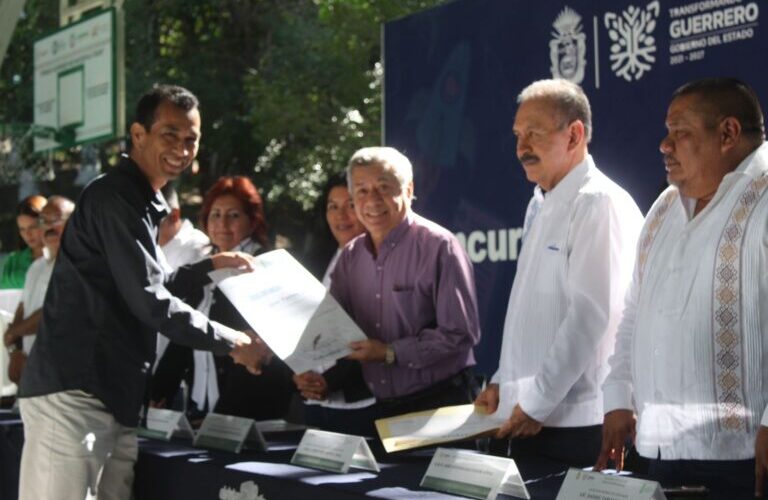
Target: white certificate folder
291 311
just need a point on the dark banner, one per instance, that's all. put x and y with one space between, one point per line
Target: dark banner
452 75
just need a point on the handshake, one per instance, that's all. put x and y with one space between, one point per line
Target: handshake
250 351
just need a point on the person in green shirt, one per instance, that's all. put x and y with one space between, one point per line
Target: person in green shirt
16 264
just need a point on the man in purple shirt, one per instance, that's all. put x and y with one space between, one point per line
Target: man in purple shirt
409 285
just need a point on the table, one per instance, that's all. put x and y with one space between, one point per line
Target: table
176 470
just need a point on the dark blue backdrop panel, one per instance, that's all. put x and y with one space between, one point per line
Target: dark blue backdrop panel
452 75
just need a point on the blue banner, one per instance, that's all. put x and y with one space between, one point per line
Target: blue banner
452 75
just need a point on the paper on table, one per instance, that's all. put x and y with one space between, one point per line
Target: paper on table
292 312
441 425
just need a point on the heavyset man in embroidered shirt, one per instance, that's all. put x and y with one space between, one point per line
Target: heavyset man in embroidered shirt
689 358
410 286
579 237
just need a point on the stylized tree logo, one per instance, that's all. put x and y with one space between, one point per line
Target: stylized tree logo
633 45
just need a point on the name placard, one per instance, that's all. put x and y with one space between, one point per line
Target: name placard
228 433
277 426
469 474
596 486
164 424
334 452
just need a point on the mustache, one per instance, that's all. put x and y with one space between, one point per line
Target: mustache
50 232
528 158
669 159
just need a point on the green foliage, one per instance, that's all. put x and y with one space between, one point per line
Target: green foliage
289 88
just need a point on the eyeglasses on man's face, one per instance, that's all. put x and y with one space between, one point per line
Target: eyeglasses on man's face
43 222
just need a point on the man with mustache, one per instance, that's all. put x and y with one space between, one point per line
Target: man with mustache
579 237
21 333
688 379
86 377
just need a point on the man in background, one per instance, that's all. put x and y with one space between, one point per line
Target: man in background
20 335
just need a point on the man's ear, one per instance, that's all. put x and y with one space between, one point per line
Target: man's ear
138 135
730 132
576 133
409 190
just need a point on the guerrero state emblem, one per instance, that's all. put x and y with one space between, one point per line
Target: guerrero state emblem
568 47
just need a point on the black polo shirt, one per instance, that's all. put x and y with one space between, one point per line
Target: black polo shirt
108 296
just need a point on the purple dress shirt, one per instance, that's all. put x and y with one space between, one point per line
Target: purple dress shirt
418 295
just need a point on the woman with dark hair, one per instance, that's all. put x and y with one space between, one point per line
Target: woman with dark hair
232 216
27 220
349 410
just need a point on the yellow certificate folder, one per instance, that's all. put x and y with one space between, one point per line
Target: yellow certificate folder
431 427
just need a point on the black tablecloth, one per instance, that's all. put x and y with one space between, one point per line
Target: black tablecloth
176 470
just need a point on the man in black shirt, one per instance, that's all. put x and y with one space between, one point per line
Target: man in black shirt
85 381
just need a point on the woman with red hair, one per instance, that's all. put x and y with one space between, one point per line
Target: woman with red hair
232 216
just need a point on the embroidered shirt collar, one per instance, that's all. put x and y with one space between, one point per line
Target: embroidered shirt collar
753 166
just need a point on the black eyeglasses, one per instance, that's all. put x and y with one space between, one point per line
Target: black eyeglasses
51 222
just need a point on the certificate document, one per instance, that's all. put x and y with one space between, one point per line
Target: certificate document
291 311
441 425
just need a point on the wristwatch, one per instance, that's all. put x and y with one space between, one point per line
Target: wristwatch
12 348
389 357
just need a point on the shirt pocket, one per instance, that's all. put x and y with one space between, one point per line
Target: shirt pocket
404 299
551 269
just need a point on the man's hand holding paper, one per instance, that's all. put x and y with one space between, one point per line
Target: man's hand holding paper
294 315
368 351
489 398
441 425
519 424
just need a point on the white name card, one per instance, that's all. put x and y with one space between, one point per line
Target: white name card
334 452
164 424
469 474
278 425
580 484
228 433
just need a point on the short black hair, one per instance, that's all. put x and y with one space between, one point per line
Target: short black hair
159 93
723 97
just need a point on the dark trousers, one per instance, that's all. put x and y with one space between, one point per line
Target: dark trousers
358 422
459 389
574 446
725 479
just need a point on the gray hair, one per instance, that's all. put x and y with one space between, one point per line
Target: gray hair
569 99
391 159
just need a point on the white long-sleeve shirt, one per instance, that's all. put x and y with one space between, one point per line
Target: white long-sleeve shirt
690 347
188 246
35 285
572 274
